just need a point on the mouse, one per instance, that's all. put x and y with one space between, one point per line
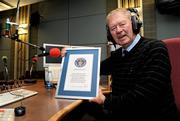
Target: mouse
20 111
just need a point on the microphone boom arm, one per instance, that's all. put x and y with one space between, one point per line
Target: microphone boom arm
33 45
16 38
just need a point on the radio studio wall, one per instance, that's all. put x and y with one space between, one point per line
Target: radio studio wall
167 26
74 22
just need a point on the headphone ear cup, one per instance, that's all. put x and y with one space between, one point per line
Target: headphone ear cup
109 36
136 24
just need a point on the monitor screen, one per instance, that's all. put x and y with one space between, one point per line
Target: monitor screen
51 61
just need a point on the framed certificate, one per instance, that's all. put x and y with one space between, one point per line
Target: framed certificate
80 74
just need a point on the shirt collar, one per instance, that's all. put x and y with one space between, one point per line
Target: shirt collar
136 40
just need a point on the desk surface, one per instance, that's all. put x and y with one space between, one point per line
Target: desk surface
44 106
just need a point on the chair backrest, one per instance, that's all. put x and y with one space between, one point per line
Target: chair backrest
173 45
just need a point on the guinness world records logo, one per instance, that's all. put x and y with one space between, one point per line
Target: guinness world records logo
80 62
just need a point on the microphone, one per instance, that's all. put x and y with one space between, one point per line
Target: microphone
53 52
30 79
4 59
6 73
34 59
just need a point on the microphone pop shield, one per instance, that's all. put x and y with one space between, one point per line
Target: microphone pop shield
54 52
4 59
34 59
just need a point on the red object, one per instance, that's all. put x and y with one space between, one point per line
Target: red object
54 52
2 110
34 59
173 45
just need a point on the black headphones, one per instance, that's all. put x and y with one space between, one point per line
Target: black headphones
136 24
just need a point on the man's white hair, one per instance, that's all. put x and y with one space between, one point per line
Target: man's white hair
123 11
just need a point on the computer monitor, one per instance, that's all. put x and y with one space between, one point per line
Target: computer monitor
52 61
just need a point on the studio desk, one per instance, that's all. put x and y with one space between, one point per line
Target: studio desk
44 106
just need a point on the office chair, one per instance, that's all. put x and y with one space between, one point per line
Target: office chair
173 45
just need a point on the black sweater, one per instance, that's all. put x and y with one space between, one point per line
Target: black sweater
141 84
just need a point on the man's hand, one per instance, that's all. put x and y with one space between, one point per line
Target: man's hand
63 52
99 99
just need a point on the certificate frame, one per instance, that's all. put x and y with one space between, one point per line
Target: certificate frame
92 60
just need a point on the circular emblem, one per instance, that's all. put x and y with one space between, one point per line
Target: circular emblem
80 62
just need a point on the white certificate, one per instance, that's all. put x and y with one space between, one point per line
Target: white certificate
80 74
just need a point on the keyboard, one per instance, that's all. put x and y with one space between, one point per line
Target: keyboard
15 95
6 114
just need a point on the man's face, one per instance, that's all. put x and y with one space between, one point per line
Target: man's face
120 27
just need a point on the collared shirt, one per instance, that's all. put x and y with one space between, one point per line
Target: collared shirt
136 40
